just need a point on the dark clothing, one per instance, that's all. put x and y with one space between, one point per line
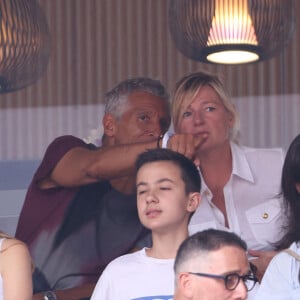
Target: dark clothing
73 233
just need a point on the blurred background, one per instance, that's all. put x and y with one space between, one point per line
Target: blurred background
97 43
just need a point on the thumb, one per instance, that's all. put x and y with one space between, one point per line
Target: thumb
197 162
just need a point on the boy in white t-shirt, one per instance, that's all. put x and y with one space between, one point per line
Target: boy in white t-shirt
168 186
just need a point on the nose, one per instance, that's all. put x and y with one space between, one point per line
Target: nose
241 292
151 197
153 128
199 117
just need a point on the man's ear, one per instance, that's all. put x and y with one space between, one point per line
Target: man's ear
109 123
185 285
194 201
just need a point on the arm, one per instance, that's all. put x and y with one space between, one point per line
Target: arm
77 293
16 271
261 261
80 166
279 280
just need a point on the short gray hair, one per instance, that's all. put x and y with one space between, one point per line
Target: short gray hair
116 99
200 244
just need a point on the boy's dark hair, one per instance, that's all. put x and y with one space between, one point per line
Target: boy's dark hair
189 173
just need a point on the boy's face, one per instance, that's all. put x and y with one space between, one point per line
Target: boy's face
161 198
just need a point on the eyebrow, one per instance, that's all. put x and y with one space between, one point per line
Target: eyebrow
162 180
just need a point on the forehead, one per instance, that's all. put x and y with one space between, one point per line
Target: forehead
205 95
142 100
159 169
226 259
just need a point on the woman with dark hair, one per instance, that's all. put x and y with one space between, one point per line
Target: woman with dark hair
282 277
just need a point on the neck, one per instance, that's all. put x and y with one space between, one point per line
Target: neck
165 245
216 155
211 163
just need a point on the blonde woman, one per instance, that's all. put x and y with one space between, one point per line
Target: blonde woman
240 184
15 269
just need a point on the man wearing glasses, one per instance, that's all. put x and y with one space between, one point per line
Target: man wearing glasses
212 264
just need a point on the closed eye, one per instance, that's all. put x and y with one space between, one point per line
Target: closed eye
164 188
141 192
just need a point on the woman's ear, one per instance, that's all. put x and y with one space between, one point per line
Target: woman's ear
109 125
231 120
194 201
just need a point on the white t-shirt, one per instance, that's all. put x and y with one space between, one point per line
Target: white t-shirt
254 209
281 280
136 276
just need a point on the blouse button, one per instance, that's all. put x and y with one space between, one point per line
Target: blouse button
207 193
265 216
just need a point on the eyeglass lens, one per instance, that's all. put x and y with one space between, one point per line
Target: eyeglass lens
232 281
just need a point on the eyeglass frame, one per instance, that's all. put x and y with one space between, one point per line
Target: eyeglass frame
244 278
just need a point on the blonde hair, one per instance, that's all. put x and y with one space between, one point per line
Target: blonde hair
186 90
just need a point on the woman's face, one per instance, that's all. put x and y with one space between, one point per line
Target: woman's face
207 117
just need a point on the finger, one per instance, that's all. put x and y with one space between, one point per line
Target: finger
197 162
255 253
199 140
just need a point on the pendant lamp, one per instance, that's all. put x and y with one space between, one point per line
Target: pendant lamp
24 44
231 31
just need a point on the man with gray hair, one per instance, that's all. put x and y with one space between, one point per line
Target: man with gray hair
80 208
212 264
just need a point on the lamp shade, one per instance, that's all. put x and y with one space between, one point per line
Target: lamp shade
231 31
24 44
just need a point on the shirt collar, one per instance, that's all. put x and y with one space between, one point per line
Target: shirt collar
240 165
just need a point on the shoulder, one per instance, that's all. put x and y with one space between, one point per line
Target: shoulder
61 145
124 262
12 245
56 151
260 156
127 258
283 261
66 141
15 252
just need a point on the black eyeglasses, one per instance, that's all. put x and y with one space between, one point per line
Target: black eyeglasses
232 280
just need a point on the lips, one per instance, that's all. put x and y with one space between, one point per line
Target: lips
203 134
153 212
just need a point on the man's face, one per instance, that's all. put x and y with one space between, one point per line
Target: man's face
224 261
145 118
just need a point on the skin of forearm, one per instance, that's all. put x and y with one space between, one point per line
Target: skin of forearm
117 161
